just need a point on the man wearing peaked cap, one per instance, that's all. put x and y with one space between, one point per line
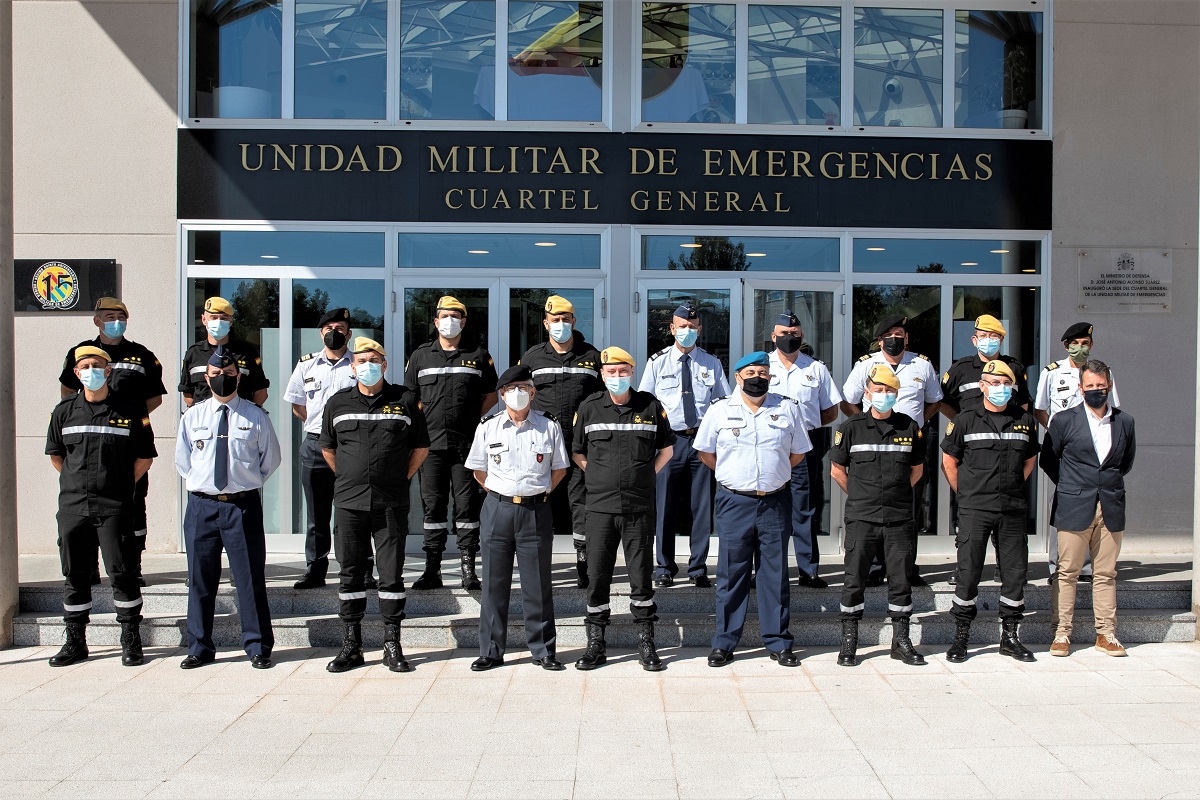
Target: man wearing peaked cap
807 381
621 439
565 369
454 379
217 320
752 440
135 375
315 378
685 379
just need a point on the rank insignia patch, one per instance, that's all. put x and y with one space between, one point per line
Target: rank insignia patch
837 438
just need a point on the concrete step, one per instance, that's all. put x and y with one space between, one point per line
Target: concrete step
673 629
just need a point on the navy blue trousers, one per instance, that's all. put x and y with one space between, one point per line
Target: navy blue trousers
683 473
746 526
807 497
210 526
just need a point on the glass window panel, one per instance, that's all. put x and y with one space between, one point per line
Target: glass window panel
555 55
237 58
898 67
341 59
527 309
419 306
688 62
997 69
500 250
963 256
740 253
286 248
713 308
447 59
795 72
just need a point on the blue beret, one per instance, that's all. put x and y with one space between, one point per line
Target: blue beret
221 358
685 311
758 358
787 319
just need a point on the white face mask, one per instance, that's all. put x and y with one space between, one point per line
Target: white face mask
517 398
450 326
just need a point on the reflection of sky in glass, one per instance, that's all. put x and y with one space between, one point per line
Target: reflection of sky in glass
794 66
763 253
500 250
341 59
960 256
288 248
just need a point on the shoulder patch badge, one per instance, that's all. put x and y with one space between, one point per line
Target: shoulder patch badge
945 377
949 428
921 433
837 439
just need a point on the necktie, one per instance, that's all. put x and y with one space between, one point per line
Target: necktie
221 473
689 400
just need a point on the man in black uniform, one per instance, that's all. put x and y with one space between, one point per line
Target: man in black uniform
218 320
622 439
374 438
566 369
101 445
987 456
136 376
455 384
878 456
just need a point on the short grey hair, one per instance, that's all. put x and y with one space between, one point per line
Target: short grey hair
1097 367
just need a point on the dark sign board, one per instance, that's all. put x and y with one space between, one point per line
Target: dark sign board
614 178
63 284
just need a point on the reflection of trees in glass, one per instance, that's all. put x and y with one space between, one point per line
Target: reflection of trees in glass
255 306
308 306
933 266
714 253
419 305
921 304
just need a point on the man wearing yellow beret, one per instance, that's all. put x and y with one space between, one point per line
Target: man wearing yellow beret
217 321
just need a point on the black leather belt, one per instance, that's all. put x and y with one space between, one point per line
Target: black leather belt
520 501
686 432
227 497
312 435
754 494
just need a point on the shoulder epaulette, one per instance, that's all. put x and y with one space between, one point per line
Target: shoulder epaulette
659 353
548 416
867 357
493 415
1051 365
922 355
307 356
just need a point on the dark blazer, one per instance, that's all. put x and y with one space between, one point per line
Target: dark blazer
1069 458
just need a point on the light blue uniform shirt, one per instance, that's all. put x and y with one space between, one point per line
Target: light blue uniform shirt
808 382
253 446
313 380
663 375
518 458
919 383
753 447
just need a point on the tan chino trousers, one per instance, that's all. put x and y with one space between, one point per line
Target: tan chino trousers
1073 548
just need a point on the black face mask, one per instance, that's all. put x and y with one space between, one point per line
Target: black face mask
788 343
223 385
756 387
893 345
1095 398
334 340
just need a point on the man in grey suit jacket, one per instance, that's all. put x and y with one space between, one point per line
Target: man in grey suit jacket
1087 453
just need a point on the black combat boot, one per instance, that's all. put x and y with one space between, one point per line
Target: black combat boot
470 580
581 576
902 646
74 648
393 656
351 655
594 656
847 656
647 654
431 578
1010 644
962 635
131 644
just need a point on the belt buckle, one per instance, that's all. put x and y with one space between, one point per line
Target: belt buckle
224 498
517 500
760 493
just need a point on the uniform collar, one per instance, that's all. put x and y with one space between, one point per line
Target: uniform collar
678 354
889 423
233 405
321 357
803 360
738 397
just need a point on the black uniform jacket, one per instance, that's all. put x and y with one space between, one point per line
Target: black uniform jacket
563 380
620 444
195 365
136 375
960 383
1069 458
993 447
450 385
879 455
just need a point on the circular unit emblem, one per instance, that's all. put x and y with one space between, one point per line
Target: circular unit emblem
56 285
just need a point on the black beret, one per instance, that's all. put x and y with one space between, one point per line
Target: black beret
685 311
334 315
515 374
1077 331
889 322
221 358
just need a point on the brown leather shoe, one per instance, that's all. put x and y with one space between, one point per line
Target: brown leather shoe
1107 643
1061 647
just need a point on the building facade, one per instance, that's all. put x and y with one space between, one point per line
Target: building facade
842 160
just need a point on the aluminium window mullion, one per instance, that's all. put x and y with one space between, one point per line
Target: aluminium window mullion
392 58
847 60
501 60
741 63
949 62
287 108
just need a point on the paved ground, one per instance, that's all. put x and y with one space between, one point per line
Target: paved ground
1087 726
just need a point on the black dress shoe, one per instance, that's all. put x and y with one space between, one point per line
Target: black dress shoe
811 581
664 580
191 662
875 578
719 657
701 581
368 583
483 663
309 582
261 662
549 663
1085 578
786 658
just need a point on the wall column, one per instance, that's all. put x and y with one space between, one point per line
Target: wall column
8 449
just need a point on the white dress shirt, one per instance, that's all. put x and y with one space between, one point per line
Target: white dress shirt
808 382
313 380
753 446
253 446
518 458
1101 432
919 383
1058 389
662 379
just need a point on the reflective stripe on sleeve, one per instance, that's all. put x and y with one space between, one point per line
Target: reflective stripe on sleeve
579 537
197 370
370 417
620 426
352 595
450 371
70 429
881 448
565 371
127 365
996 437
966 387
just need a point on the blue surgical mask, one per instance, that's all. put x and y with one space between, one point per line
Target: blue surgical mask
999 395
883 401
560 331
218 328
91 378
988 347
618 386
115 328
686 336
368 373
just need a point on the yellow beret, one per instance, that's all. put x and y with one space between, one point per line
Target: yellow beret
615 355
362 345
989 323
448 303
998 367
882 373
90 350
559 305
218 305
111 304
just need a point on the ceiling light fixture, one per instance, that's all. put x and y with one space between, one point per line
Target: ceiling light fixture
268 256
876 249
999 251
197 260
691 246
970 264
1029 270
757 255
545 244
479 252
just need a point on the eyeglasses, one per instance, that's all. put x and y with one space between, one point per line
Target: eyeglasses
1002 382
988 335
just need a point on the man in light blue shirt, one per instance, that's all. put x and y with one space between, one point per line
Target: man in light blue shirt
225 451
685 379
